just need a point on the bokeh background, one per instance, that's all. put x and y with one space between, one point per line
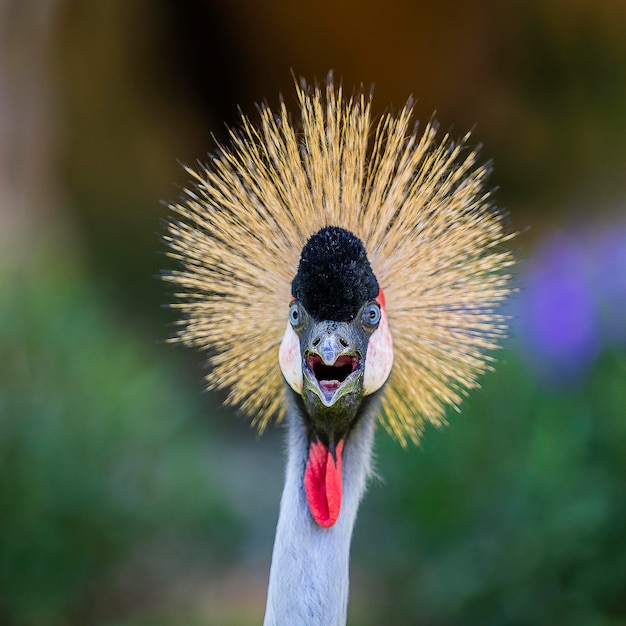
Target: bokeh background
127 496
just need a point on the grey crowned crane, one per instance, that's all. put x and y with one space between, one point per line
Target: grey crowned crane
338 273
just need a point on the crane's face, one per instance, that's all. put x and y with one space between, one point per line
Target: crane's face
334 364
336 350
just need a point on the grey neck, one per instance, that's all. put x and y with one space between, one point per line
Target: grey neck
309 576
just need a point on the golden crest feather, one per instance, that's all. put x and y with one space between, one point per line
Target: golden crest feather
419 206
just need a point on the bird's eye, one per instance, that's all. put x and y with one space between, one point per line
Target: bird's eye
371 315
294 314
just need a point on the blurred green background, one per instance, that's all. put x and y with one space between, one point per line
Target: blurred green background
128 497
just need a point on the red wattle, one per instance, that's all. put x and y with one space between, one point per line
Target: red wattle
322 483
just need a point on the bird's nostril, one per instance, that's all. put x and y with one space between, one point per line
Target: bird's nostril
344 342
316 342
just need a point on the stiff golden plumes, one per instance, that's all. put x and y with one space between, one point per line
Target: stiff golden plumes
418 204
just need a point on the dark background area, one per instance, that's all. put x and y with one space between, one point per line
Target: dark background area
129 497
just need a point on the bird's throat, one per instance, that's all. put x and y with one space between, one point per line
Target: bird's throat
323 483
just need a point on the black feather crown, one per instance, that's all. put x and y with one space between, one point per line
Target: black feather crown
334 278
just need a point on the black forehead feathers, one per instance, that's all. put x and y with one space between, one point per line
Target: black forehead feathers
334 278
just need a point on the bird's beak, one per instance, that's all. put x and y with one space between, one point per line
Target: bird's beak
332 363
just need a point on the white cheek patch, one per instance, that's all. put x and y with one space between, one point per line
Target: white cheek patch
379 357
290 359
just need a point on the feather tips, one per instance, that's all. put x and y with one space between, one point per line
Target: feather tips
420 207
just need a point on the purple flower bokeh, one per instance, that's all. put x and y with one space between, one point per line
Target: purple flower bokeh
573 302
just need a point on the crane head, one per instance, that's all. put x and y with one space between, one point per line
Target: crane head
336 350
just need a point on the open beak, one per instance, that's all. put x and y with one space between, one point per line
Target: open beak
332 367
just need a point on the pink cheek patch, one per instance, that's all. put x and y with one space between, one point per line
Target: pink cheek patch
290 359
379 357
